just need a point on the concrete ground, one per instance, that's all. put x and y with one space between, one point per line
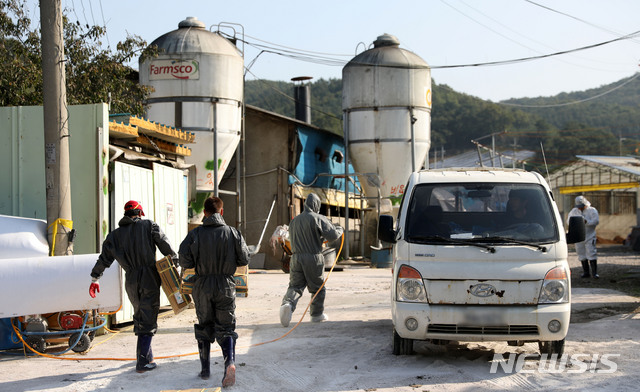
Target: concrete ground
350 352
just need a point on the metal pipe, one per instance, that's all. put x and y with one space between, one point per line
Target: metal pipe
215 150
238 175
346 185
493 149
243 142
302 99
479 154
265 224
362 231
378 242
413 141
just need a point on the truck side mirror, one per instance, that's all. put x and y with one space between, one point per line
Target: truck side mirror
385 229
576 230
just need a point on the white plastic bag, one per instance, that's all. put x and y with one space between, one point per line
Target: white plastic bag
279 236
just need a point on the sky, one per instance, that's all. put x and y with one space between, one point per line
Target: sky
452 36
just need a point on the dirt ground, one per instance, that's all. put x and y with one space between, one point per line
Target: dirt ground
352 351
619 268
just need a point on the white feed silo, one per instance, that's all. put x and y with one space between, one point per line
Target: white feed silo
386 101
198 83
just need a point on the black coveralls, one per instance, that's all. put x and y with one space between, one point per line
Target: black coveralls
215 250
133 245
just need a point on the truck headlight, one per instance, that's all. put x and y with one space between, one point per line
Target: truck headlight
410 287
555 287
554 326
411 324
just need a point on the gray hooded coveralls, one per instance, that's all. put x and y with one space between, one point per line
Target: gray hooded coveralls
215 250
133 245
306 233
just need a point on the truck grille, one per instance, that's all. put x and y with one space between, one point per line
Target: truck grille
483 330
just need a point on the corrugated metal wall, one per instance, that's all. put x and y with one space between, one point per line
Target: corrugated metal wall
163 195
170 199
23 190
162 191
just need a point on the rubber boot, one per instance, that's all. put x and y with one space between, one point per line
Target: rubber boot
144 355
594 268
228 346
285 314
585 269
204 348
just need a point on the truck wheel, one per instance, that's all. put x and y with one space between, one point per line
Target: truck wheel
552 347
402 346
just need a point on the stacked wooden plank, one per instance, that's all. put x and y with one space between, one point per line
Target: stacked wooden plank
122 131
162 145
150 134
159 131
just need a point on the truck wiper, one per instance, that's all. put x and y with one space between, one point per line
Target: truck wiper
508 239
452 241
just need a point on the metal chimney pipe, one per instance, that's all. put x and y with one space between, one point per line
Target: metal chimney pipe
302 96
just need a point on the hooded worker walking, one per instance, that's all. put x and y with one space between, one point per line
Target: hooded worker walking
306 234
133 245
215 250
587 253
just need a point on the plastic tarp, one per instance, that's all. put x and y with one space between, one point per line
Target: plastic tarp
22 237
322 153
31 282
36 285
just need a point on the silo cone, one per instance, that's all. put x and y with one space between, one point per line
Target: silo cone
386 101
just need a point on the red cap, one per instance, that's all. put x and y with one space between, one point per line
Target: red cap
133 205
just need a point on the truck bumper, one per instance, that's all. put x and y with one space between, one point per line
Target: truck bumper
480 323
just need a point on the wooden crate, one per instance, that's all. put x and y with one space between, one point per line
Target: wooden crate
242 281
188 277
171 285
241 277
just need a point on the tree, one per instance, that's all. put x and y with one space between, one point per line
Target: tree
577 139
21 57
93 74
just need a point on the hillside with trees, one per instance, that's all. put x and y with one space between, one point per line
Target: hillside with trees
563 126
615 108
456 118
599 121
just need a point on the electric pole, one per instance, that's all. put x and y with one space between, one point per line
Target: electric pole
56 131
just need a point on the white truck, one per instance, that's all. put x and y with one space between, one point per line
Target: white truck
479 255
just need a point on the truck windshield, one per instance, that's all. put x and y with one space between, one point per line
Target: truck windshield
481 212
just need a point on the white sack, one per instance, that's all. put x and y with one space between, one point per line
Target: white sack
36 285
22 237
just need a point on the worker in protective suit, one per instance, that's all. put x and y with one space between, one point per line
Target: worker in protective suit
587 253
215 250
306 234
133 244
